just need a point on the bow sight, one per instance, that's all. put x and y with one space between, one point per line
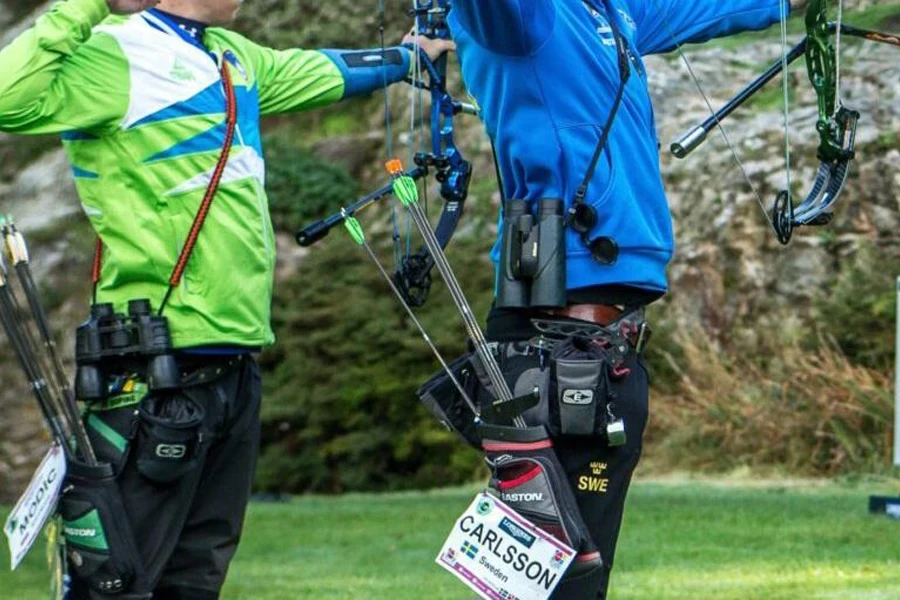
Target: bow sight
430 17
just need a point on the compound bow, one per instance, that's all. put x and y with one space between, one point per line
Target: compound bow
452 171
412 275
836 124
412 279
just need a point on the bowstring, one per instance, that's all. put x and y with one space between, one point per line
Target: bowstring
387 103
719 125
417 97
388 133
786 90
837 65
419 91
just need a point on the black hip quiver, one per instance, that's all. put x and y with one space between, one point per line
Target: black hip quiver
527 476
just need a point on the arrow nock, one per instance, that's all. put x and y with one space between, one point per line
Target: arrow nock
394 167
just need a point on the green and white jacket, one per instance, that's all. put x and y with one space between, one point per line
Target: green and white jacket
141 111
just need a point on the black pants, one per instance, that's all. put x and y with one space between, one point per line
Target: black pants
187 530
599 474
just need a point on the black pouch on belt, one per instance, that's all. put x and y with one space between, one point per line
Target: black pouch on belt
100 544
169 436
580 389
528 477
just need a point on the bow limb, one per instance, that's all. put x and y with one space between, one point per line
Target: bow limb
451 170
835 124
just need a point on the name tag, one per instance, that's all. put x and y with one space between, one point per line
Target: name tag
25 522
501 556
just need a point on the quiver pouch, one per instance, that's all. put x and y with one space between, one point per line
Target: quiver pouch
579 389
169 436
443 400
528 477
100 545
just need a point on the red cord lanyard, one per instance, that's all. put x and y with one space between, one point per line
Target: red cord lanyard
203 212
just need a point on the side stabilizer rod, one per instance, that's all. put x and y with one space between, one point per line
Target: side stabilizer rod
690 140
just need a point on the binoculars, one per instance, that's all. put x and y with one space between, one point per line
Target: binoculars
532 270
110 340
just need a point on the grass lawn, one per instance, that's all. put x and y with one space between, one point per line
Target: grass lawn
688 539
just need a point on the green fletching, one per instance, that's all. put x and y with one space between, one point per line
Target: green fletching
406 191
355 230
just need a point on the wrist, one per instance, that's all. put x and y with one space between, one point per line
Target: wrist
411 57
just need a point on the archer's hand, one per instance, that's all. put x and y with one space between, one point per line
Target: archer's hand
127 7
434 48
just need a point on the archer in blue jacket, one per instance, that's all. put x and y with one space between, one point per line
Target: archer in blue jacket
550 76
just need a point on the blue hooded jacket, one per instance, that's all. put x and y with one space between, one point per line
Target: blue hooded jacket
545 74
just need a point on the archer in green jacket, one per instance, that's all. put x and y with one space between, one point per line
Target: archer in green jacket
139 98
141 109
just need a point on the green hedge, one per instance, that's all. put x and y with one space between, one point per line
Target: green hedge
340 410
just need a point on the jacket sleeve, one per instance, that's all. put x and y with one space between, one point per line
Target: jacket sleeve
508 27
58 76
664 24
294 80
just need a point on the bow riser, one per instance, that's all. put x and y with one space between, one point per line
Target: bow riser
821 60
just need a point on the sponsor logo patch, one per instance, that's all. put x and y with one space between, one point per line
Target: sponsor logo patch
523 497
516 532
578 397
171 451
82 532
180 72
